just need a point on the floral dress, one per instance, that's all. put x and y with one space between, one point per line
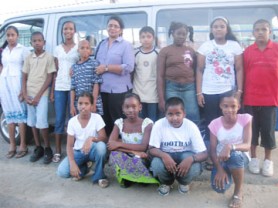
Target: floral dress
126 166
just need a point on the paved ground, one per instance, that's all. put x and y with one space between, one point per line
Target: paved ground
27 185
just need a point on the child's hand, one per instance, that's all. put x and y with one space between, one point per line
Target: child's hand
140 154
100 69
94 108
28 99
221 178
161 105
184 166
72 111
225 153
113 145
36 100
169 163
20 97
51 97
201 100
74 170
87 146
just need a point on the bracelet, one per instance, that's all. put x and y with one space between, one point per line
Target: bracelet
200 93
233 147
106 68
240 91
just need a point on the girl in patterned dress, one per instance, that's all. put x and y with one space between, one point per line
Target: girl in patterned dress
128 144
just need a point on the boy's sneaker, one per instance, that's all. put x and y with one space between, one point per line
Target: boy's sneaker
37 154
267 168
254 166
164 190
48 155
183 189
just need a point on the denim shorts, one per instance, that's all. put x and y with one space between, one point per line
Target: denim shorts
37 116
237 160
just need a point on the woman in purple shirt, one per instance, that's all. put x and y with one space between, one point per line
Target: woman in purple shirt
116 57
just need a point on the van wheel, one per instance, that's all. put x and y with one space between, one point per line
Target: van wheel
4 130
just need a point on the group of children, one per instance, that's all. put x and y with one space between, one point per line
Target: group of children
140 151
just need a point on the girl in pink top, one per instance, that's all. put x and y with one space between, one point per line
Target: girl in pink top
230 140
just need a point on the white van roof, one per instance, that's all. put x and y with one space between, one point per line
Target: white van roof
101 6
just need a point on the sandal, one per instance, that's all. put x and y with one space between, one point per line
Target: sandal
11 154
103 183
56 158
208 166
21 153
235 202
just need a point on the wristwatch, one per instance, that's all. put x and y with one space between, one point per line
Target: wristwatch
106 68
233 147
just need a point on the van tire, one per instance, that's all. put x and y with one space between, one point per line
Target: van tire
4 131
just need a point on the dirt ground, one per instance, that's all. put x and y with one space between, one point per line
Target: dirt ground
27 185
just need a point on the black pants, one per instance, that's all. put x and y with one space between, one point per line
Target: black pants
112 109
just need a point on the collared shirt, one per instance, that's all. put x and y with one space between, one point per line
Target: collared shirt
12 60
120 53
37 68
261 75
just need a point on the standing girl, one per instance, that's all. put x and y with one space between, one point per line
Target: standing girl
13 56
230 141
128 157
116 57
85 142
176 72
65 56
219 70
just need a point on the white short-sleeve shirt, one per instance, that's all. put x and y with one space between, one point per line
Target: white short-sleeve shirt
80 134
169 139
65 62
219 72
12 61
233 135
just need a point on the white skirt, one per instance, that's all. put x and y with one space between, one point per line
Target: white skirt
14 110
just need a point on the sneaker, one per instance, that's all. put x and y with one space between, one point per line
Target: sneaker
48 155
254 166
164 190
267 168
37 154
183 189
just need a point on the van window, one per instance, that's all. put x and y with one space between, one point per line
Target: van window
93 27
241 21
25 28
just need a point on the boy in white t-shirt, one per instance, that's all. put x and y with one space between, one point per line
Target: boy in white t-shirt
177 148
230 141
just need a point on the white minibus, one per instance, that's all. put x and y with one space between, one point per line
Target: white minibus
91 20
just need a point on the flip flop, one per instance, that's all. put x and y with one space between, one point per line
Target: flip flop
235 202
103 183
11 154
208 166
21 153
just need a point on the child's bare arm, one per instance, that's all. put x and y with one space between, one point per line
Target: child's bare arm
201 61
72 107
95 95
74 169
24 89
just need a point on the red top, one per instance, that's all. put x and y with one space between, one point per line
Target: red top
261 75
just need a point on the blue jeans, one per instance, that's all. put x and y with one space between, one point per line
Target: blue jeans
237 160
150 110
62 103
165 177
96 154
187 92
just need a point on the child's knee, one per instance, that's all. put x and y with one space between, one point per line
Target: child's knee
157 166
101 149
62 172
